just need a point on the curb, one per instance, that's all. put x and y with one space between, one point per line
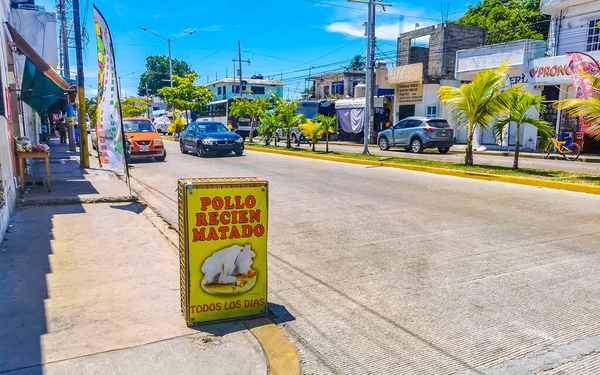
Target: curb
581 159
24 202
589 189
280 353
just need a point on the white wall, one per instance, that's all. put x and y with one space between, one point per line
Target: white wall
430 98
7 165
572 28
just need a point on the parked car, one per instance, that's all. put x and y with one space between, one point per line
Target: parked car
210 138
418 133
144 142
162 124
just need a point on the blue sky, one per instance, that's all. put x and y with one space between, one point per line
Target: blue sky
276 35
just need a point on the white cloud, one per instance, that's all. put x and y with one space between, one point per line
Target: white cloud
346 28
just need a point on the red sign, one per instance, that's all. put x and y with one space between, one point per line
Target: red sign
582 63
550 71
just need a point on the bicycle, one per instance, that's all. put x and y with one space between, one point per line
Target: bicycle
569 152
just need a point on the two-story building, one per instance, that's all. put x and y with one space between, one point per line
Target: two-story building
255 87
543 67
411 87
339 84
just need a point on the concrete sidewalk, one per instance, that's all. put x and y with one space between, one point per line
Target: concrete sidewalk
71 184
94 289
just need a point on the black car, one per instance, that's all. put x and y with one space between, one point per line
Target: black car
210 138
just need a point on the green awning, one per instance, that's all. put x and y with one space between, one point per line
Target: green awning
41 86
37 90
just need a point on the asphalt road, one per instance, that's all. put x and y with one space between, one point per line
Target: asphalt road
559 165
386 271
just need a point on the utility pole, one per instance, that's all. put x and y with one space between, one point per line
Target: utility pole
83 145
369 100
64 38
240 61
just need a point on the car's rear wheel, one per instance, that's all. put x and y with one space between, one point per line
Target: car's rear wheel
416 146
161 158
384 144
182 148
444 150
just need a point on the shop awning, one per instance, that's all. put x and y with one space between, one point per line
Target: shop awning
41 86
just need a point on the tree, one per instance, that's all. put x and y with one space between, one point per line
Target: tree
176 126
268 126
358 63
91 108
186 96
327 126
311 131
508 20
243 107
590 108
134 106
522 107
478 102
156 75
286 115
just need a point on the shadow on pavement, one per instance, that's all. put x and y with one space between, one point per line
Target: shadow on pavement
280 313
134 207
24 269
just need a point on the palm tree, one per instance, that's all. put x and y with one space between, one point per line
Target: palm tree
590 108
519 108
477 103
327 126
357 63
287 116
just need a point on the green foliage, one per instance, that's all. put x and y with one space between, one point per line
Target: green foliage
358 62
157 71
268 126
518 108
479 102
312 131
327 127
176 126
508 20
134 106
185 96
254 109
91 108
285 113
585 107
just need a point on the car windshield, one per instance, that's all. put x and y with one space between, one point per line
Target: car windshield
440 124
213 127
138 126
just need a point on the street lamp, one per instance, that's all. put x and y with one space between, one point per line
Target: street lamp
169 42
120 85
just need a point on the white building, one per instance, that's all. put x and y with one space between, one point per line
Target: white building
255 87
574 27
517 54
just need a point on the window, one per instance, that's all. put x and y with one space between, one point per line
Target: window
257 90
236 89
219 91
431 111
593 38
440 124
138 126
402 124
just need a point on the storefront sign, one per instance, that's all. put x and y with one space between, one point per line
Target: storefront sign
400 74
582 65
223 248
409 93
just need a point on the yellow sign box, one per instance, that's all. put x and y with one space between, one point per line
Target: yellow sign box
223 248
409 93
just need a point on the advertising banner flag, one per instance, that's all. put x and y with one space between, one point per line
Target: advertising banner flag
582 63
223 248
109 128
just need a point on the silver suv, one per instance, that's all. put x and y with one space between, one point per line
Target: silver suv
418 133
